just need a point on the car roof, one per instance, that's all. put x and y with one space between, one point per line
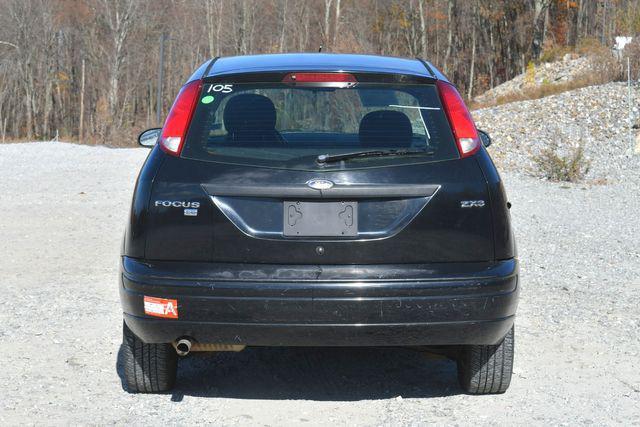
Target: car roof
319 62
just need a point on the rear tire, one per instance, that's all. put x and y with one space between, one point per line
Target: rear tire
148 368
486 369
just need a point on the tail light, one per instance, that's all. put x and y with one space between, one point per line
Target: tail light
174 131
339 80
464 130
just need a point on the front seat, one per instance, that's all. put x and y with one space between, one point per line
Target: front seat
385 128
250 119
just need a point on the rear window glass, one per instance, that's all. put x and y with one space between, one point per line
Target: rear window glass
281 125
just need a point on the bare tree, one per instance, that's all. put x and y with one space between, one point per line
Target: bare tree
283 39
474 37
450 19
539 19
423 29
88 68
119 18
326 28
214 15
336 25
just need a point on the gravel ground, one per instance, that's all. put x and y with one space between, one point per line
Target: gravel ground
569 68
596 117
63 212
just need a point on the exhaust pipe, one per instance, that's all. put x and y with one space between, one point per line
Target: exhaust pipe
183 346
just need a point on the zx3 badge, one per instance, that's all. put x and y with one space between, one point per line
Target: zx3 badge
472 204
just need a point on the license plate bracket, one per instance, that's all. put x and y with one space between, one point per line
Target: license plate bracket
320 219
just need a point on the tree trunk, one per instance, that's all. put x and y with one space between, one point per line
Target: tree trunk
284 26
336 27
29 109
81 125
120 18
211 28
539 20
218 29
604 22
473 62
447 55
3 123
327 15
423 29
47 107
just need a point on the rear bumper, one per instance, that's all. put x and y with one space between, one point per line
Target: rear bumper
278 305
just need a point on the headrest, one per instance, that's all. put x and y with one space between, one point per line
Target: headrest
249 112
386 127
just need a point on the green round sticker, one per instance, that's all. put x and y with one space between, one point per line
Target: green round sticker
207 99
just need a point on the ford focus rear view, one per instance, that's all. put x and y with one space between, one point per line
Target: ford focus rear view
318 200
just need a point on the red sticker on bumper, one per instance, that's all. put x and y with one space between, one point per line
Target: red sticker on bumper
161 307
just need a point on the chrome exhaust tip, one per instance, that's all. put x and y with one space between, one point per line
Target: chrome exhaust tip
183 346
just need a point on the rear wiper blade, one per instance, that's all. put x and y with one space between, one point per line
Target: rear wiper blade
330 158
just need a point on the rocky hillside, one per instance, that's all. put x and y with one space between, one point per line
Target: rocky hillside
570 68
595 117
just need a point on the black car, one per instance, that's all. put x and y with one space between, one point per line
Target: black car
318 200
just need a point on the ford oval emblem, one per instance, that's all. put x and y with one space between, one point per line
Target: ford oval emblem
320 184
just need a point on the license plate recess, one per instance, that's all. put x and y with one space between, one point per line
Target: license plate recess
320 219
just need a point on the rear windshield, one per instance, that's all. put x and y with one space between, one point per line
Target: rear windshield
288 126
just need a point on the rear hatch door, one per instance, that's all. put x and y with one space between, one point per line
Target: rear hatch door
248 186
411 214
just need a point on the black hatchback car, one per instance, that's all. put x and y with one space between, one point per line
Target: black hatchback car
318 200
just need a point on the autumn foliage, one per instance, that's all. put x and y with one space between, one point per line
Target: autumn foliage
88 69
